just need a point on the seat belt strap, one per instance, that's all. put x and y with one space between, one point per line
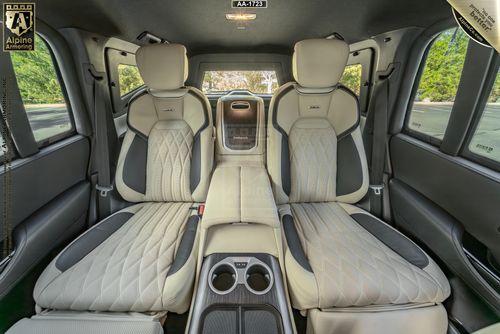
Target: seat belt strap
104 184
380 126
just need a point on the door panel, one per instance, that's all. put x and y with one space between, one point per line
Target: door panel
49 198
435 197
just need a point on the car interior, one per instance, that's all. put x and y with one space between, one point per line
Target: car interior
300 167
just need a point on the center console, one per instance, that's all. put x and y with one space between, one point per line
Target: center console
240 293
241 287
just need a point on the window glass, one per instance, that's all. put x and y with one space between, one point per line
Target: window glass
438 85
352 77
486 139
129 78
41 92
259 82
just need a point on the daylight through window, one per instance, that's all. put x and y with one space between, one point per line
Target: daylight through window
41 92
258 82
438 85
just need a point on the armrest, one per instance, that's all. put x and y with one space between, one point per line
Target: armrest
240 194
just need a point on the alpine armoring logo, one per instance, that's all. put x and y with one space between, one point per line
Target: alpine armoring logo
19 26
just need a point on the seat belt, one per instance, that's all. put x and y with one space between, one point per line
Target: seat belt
379 141
101 148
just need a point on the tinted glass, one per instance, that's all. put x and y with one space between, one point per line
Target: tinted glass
438 84
41 92
259 82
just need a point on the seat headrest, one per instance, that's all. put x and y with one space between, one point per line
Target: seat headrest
319 63
162 66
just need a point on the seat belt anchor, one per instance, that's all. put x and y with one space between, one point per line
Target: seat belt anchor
103 190
377 188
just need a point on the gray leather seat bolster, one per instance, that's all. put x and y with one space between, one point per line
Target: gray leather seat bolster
186 245
285 154
349 169
134 175
195 172
358 108
90 240
393 239
293 242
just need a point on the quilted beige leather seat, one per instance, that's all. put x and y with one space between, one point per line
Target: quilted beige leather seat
142 258
350 272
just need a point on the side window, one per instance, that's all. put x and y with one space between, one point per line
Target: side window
435 94
42 93
129 78
124 78
352 77
486 139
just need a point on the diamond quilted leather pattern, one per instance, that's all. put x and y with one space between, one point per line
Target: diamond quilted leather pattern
353 268
169 162
127 272
313 155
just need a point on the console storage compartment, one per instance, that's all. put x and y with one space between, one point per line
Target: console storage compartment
240 293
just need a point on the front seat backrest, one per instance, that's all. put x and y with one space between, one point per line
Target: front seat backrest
167 152
315 149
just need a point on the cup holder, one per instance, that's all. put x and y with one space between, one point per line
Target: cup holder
258 279
222 278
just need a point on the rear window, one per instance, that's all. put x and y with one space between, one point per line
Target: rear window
258 82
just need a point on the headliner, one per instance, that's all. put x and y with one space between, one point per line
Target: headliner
202 27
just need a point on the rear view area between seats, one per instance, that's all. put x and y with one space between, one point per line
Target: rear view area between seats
200 183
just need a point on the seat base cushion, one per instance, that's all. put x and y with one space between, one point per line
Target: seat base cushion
428 320
351 267
124 264
88 323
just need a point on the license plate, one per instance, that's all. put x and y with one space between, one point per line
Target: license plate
249 4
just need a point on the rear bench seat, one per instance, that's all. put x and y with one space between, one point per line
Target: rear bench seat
349 271
142 258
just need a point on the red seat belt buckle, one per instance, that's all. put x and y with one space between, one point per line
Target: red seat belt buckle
201 209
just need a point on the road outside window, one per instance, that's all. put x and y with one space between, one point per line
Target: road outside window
258 82
438 85
129 78
41 92
486 139
352 78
